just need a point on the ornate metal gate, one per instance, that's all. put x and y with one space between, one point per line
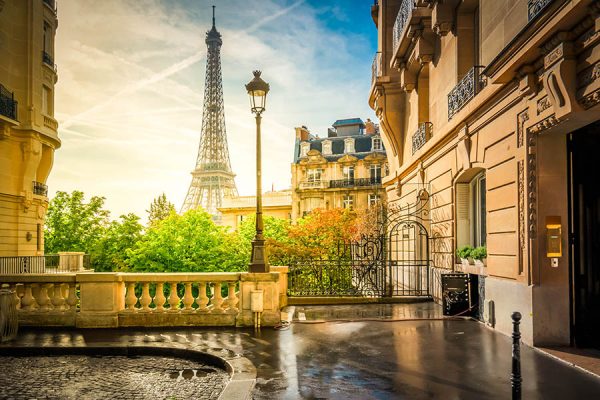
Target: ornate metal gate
392 261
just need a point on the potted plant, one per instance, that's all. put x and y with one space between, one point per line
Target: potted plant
479 254
464 252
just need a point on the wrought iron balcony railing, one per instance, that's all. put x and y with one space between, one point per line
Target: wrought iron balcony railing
51 4
376 68
406 9
421 136
40 189
48 60
465 90
8 104
359 182
534 7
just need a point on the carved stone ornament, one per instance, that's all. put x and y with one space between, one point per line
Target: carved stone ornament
560 79
522 223
464 150
543 104
442 16
544 124
522 117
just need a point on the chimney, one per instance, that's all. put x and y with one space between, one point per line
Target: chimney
370 127
302 133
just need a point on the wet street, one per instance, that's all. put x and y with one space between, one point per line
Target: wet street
376 358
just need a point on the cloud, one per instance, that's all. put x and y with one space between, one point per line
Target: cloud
131 80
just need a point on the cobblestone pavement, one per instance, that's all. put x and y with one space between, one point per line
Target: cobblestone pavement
109 377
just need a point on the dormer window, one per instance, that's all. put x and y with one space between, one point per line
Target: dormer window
349 145
326 147
376 144
304 148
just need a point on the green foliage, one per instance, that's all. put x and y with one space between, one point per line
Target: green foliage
185 243
276 235
160 209
479 253
464 252
72 224
110 252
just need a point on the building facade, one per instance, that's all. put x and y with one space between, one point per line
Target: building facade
28 130
343 170
492 107
235 210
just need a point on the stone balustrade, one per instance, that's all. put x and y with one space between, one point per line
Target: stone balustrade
96 300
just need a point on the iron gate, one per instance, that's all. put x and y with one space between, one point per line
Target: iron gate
393 261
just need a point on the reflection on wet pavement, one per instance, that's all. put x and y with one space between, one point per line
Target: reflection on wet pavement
427 359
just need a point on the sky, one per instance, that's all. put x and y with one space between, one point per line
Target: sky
131 79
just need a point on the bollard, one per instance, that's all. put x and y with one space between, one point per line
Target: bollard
515 376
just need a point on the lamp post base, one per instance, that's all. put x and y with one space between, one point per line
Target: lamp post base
258 260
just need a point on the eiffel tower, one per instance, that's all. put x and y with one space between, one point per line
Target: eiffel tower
212 179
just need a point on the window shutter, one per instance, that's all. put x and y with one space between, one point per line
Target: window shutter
463 223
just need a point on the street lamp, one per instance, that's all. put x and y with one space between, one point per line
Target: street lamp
257 90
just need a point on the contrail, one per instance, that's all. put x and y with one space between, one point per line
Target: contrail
170 70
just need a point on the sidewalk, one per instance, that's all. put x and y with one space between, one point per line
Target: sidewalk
427 359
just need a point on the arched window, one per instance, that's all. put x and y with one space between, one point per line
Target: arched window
326 147
471 211
304 148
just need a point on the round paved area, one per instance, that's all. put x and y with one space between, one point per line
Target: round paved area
109 377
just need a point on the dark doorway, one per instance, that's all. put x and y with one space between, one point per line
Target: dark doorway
585 235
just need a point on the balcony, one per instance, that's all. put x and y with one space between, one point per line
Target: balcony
102 300
534 7
406 9
465 90
421 136
64 262
48 60
350 183
8 104
313 184
376 68
40 189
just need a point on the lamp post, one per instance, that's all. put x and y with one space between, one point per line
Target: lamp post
257 90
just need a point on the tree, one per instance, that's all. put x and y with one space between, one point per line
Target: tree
185 243
72 224
160 209
275 233
111 250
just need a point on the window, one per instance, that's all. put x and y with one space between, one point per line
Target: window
471 212
46 100
314 175
348 145
375 172
377 145
348 202
348 172
48 39
374 199
39 237
304 148
311 204
478 210
326 147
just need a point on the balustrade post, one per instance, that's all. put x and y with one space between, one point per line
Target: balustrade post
159 297
173 298
43 299
13 287
232 299
72 297
203 304
131 298
217 298
58 301
28 302
188 298
145 299
102 297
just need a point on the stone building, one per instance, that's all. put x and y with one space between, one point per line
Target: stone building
492 107
235 210
343 170
28 130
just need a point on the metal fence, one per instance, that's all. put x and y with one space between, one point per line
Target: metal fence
46 264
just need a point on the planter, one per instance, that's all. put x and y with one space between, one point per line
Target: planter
464 262
480 263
